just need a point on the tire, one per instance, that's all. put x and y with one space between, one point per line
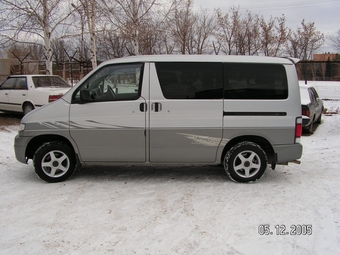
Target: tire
245 162
310 127
28 108
320 118
54 162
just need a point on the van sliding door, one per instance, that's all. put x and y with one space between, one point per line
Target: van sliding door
186 112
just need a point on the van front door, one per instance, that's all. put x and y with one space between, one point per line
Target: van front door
108 115
186 112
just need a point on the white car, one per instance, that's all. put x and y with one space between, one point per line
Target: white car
312 107
23 93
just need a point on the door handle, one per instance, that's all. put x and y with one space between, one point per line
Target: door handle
143 107
156 107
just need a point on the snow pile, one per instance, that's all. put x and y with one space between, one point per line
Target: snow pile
177 210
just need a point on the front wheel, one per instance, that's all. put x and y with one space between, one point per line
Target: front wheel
245 162
54 162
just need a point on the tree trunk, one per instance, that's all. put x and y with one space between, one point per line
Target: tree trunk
47 39
92 28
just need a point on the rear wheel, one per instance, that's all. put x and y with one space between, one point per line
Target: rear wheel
28 108
320 118
310 127
54 162
245 162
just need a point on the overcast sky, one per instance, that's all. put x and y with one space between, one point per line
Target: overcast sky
325 13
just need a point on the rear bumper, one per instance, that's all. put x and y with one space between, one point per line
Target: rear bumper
305 121
286 153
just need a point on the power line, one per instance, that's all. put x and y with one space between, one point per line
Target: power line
285 5
289 5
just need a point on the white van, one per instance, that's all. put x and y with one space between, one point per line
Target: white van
243 112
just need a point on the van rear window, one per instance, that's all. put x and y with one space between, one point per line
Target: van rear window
255 81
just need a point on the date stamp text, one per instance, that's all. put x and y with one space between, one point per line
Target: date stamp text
283 230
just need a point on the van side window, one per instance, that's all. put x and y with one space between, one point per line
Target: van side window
190 80
111 83
255 81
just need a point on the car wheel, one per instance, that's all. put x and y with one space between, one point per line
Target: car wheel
310 127
28 108
320 118
54 162
245 162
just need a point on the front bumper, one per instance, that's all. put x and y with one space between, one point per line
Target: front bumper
20 144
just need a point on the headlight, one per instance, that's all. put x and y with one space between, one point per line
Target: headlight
21 127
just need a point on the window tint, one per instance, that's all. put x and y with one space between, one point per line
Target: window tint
255 81
9 83
190 80
312 95
111 83
21 83
316 95
57 81
14 83
49 81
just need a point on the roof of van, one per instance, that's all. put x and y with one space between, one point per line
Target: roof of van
204 58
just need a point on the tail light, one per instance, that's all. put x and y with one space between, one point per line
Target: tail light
52 98
305 111
298 130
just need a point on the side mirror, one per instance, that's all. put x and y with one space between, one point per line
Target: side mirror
85 95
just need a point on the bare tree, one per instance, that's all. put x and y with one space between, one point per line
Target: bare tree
60 49
166 43
247 37
34 22
89 7
203 29
111 45
250 34
183 22
227 27
148 37
273 35
304 41
237 35
253 34
132 16
335 40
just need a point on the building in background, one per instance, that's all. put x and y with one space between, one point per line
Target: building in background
329 66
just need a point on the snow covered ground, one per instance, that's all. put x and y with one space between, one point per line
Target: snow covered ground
177 210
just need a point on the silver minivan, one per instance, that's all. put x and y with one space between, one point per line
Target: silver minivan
242 112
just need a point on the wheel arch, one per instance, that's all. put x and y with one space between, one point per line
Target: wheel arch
261 141
37 141
26 103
